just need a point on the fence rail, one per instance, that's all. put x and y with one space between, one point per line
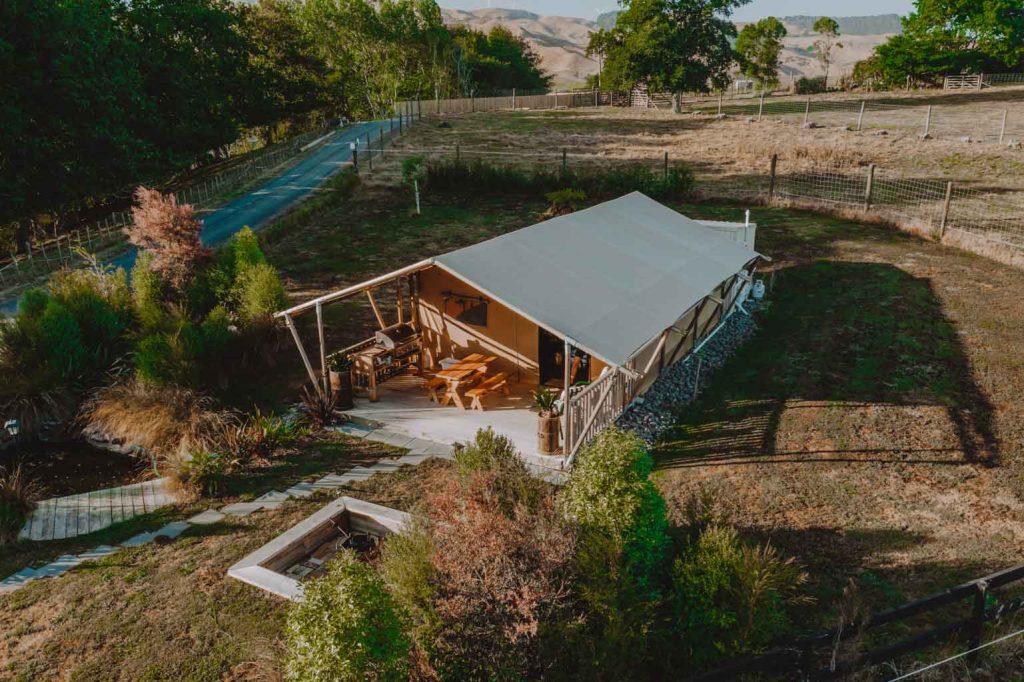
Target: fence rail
597 406
804 655
48 255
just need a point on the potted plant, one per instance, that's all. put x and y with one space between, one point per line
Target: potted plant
549 420
340 373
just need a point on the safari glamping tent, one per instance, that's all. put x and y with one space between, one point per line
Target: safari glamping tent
593 305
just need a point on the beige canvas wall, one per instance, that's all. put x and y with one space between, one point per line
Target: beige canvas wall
507 335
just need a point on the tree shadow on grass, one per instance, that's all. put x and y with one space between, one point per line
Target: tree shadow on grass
838 335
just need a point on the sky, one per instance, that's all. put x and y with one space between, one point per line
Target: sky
757 9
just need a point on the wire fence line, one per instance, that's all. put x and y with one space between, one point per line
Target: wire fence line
50 254
983 219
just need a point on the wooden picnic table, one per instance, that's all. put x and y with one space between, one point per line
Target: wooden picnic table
465 371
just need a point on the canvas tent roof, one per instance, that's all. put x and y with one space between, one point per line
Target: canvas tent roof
611 277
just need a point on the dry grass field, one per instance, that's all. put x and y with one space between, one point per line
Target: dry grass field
732 155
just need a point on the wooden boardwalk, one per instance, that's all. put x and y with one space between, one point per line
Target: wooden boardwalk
68 517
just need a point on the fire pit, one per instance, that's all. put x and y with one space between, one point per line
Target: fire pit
303 551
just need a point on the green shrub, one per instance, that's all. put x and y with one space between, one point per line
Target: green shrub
478 175
564 201
260 293
147 293
411 578
61 339
100 301
216 333
18 495
170 358
496 455
200 474
609 491
809 86
32 303
729 597
347 628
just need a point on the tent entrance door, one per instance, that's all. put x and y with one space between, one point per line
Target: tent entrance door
550 356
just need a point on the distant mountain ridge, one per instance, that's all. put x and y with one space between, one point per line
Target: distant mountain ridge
562 41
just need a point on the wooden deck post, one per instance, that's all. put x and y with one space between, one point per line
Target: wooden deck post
399 302
324 374
567 382
302 351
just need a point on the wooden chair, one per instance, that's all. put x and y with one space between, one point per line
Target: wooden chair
497 382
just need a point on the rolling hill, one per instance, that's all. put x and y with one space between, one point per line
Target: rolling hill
562 41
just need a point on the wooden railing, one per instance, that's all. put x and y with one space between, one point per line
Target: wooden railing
598 406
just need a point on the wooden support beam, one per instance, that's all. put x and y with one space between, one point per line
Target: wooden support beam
658 354
400 302
567 383
302 351
376 310
324 374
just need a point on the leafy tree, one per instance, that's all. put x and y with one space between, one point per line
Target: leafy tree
825 46
759 46
346 628
380 52
292 77
943 37
495 62
669 46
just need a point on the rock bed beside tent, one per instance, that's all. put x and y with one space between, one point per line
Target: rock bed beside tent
652 413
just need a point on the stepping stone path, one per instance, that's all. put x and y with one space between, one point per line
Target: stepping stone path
84 515
67 517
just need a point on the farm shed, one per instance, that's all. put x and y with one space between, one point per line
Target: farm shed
593 303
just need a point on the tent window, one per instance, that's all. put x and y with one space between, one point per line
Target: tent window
466 309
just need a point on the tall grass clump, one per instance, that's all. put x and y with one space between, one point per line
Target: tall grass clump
18 496
457 176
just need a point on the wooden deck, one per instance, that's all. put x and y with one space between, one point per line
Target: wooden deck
67 517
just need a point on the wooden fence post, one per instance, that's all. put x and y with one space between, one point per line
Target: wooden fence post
1002 128
369 151
513 99
355 154
472 101
945 209
860 117
666 165
978 622
720 95
597 98
760 105
870 188
771 182
927 121
807 111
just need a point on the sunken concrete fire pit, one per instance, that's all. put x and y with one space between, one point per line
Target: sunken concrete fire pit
301 552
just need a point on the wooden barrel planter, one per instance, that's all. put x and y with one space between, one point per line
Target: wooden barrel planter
548 427
341 387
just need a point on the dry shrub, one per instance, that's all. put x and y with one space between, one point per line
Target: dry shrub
169 231
18 495
500 578
166 421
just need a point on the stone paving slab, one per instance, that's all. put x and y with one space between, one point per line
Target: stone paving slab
17 580
97 553
273 499
62 565
241 509
352 429
139 540
173 529
414 459
301 490
210 516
